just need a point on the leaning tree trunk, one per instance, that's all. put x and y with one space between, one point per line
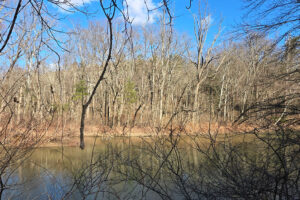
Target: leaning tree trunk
101 77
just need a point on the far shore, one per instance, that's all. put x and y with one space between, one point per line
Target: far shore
69 136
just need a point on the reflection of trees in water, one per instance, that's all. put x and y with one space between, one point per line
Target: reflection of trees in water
228 168
186 167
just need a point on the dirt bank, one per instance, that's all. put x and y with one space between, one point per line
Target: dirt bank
69 135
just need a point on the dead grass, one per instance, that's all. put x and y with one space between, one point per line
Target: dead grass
68 133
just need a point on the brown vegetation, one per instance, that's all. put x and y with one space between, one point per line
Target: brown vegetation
154 82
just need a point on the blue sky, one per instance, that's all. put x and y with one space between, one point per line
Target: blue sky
228 10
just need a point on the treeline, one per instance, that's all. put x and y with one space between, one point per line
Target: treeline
154 75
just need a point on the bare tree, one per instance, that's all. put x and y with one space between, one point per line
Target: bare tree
268 17
204 57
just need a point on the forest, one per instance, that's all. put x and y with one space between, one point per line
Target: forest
210 115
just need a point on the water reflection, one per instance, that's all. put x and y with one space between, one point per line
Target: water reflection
50 173
189 167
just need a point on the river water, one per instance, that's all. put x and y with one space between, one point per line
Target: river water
165 167
103 170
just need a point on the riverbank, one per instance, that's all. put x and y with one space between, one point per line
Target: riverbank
69 134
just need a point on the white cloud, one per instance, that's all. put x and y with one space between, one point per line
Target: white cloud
138 12
208 20
69 4
80 2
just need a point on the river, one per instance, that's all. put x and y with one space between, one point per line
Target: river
58 172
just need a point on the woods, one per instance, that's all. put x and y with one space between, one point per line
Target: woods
232 99
147 76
